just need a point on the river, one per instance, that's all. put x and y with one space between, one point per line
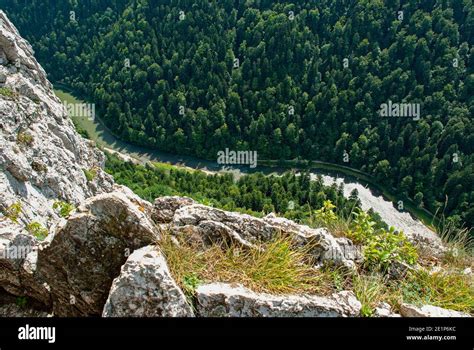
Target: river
369 198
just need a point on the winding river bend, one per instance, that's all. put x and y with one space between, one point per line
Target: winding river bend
371 196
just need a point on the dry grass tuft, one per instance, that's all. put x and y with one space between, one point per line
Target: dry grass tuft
278 267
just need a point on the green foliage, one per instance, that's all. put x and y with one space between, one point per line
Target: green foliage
448 290
21 301
254 194
386 247
381 247
326 213
4 91
24 138
370 291
13 212
63 208
90 174
37 230
190 283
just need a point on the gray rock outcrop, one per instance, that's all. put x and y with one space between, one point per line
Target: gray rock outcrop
145 288
42 158
87 252
225 300
409 310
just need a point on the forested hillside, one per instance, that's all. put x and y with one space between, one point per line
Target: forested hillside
303 79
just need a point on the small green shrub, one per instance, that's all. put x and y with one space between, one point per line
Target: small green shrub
37 230
190 283
4 91
381 247
24 138
387 247
13 212
21 301
64 209
90 173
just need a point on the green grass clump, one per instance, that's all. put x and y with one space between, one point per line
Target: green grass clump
274 267
13 212
4 91
37 230
90 174
24 138
64 209
370 290
447 290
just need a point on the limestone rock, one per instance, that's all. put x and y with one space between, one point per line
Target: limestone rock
18 256
87 252
210 225
384 310
165 207
409 310
13 310
224 300
42 158
145 288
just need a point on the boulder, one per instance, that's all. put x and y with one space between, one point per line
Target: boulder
145 288
87 252
165 207
225 300
409 310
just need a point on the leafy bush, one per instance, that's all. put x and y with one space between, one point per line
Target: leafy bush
90 173
381 247
63 208
386 247
37 230
13 212
326 213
